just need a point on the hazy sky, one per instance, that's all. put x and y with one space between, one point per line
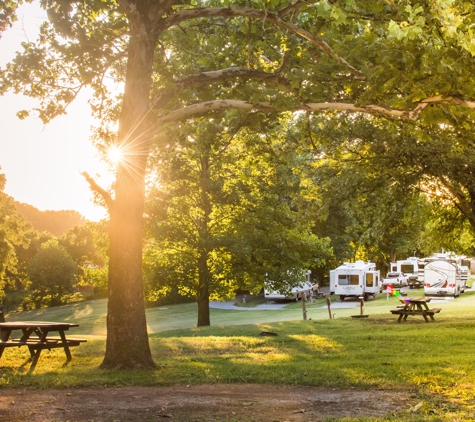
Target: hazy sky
42 163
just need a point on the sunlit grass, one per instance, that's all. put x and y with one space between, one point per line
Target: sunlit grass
433 360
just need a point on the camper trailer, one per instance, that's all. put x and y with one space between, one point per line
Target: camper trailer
460 267
304 286
443 278
355 279
410 268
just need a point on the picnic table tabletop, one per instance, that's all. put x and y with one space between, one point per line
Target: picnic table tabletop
35 336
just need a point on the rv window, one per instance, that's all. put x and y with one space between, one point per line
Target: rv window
354 279
342 279
407 269
369 280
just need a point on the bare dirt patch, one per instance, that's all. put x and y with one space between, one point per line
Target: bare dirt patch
217 402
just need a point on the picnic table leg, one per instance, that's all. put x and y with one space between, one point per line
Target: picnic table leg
32 352
421 308
66 348
431 315
5 334
400 317
34 360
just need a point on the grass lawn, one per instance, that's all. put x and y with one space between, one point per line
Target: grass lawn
435 361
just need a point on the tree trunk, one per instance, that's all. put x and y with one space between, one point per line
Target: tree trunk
203 270
203 291
127 345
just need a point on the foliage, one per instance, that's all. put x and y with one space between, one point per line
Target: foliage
236 198
446 230
368 212
54 222
53 273
17 289
79 243
419 176
83 243
14 230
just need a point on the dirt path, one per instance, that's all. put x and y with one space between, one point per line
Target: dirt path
236 402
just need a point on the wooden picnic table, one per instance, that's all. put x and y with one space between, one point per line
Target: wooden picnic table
36 336
415 306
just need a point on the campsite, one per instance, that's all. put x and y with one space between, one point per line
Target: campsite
409 371
166 163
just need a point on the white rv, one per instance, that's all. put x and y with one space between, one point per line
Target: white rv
459 264
304 286
356 279
443 278
410 268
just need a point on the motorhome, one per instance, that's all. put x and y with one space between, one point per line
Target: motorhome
442 278
355 279
410 268
455 274
305 286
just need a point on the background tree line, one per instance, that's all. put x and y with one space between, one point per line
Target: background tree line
39 269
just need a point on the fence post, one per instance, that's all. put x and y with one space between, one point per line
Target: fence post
329 302
304 308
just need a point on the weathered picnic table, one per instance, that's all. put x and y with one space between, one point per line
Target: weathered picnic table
415 306
36 336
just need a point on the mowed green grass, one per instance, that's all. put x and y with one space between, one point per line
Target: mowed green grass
435 361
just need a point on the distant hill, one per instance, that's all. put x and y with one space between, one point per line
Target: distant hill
54 222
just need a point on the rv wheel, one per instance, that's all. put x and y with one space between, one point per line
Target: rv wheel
342 298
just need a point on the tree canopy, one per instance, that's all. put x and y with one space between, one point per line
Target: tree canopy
13 234
53 273
231 209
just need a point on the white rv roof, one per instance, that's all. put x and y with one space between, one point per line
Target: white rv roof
358 265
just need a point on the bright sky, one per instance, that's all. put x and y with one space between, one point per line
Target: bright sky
42 164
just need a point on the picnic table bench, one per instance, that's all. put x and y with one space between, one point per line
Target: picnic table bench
36 336
415 306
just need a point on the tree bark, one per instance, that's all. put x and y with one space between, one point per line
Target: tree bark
203 291
127 345
203 270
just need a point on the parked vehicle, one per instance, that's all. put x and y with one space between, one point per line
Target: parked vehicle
443 278
395 279
304 286
410 268
355 279
461 266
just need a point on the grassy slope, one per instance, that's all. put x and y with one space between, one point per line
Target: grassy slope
91 316
434 360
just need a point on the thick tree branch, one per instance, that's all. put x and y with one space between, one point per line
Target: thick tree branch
377 110
228 12
100 190
201 78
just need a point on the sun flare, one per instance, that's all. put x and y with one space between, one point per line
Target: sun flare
115 154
